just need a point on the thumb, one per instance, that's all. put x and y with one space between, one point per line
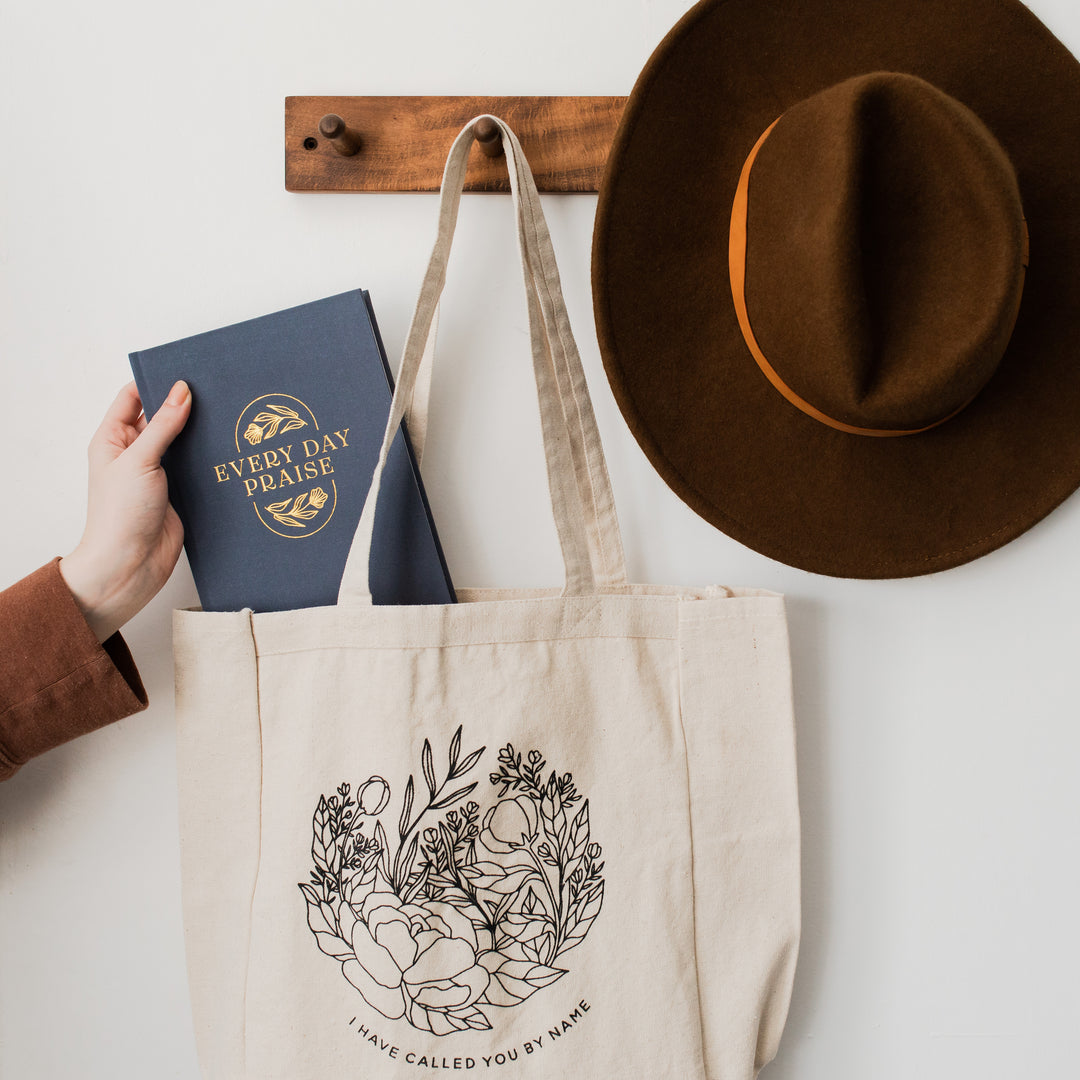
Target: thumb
166 424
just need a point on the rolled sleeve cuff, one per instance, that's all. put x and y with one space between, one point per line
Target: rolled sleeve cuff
56 680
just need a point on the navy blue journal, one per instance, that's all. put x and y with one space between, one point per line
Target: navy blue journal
269 475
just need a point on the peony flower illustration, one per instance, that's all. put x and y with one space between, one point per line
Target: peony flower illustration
253 434
373 796
509 825
471 909
417 959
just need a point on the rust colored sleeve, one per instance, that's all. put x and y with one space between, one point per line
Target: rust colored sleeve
56 680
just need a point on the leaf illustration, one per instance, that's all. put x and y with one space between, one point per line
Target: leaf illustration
300 511
410 858
285 519
582 919
577 840
452 798
522 928
292 425
491 876
317 920
416 886
448 845
455 748
486 872
302 507
444 881
329 915
406 809
284 410
512 981
384 848
471 1018
544 945
467 764
429 769
320 825
333 946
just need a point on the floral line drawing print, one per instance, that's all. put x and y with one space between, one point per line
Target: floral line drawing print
303 507
471 908
266 424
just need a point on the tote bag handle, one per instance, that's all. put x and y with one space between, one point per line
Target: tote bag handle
578 480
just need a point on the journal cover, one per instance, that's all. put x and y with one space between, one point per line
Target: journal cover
269 475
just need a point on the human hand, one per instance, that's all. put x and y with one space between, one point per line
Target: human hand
132 537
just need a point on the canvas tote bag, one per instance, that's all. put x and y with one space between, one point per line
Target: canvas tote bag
539 833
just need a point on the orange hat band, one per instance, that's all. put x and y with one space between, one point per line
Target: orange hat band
737 272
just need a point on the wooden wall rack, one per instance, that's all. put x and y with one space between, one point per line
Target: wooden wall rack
401 143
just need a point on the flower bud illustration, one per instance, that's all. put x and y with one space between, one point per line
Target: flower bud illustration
373 796
509 825
253 434
317 498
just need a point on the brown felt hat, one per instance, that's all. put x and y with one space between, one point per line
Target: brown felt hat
812 281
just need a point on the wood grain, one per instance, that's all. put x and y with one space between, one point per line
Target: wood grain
405 140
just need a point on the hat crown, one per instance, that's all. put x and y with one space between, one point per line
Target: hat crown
885 252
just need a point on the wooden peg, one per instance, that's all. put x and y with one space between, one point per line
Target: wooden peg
344 141
488 135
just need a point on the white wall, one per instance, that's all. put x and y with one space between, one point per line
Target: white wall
142 200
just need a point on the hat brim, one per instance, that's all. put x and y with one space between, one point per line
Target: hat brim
723 439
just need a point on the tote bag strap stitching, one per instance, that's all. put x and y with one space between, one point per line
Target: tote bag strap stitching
546 285
565 444
569 638
568 505
603 519
416 417
695 900
567 498
249 921
567 501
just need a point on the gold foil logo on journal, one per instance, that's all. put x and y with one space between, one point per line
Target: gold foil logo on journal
285 465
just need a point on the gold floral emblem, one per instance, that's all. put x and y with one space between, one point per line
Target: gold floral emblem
296 511
267 424
282 453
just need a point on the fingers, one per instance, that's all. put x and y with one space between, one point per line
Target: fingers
164 426
119 426
126 407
